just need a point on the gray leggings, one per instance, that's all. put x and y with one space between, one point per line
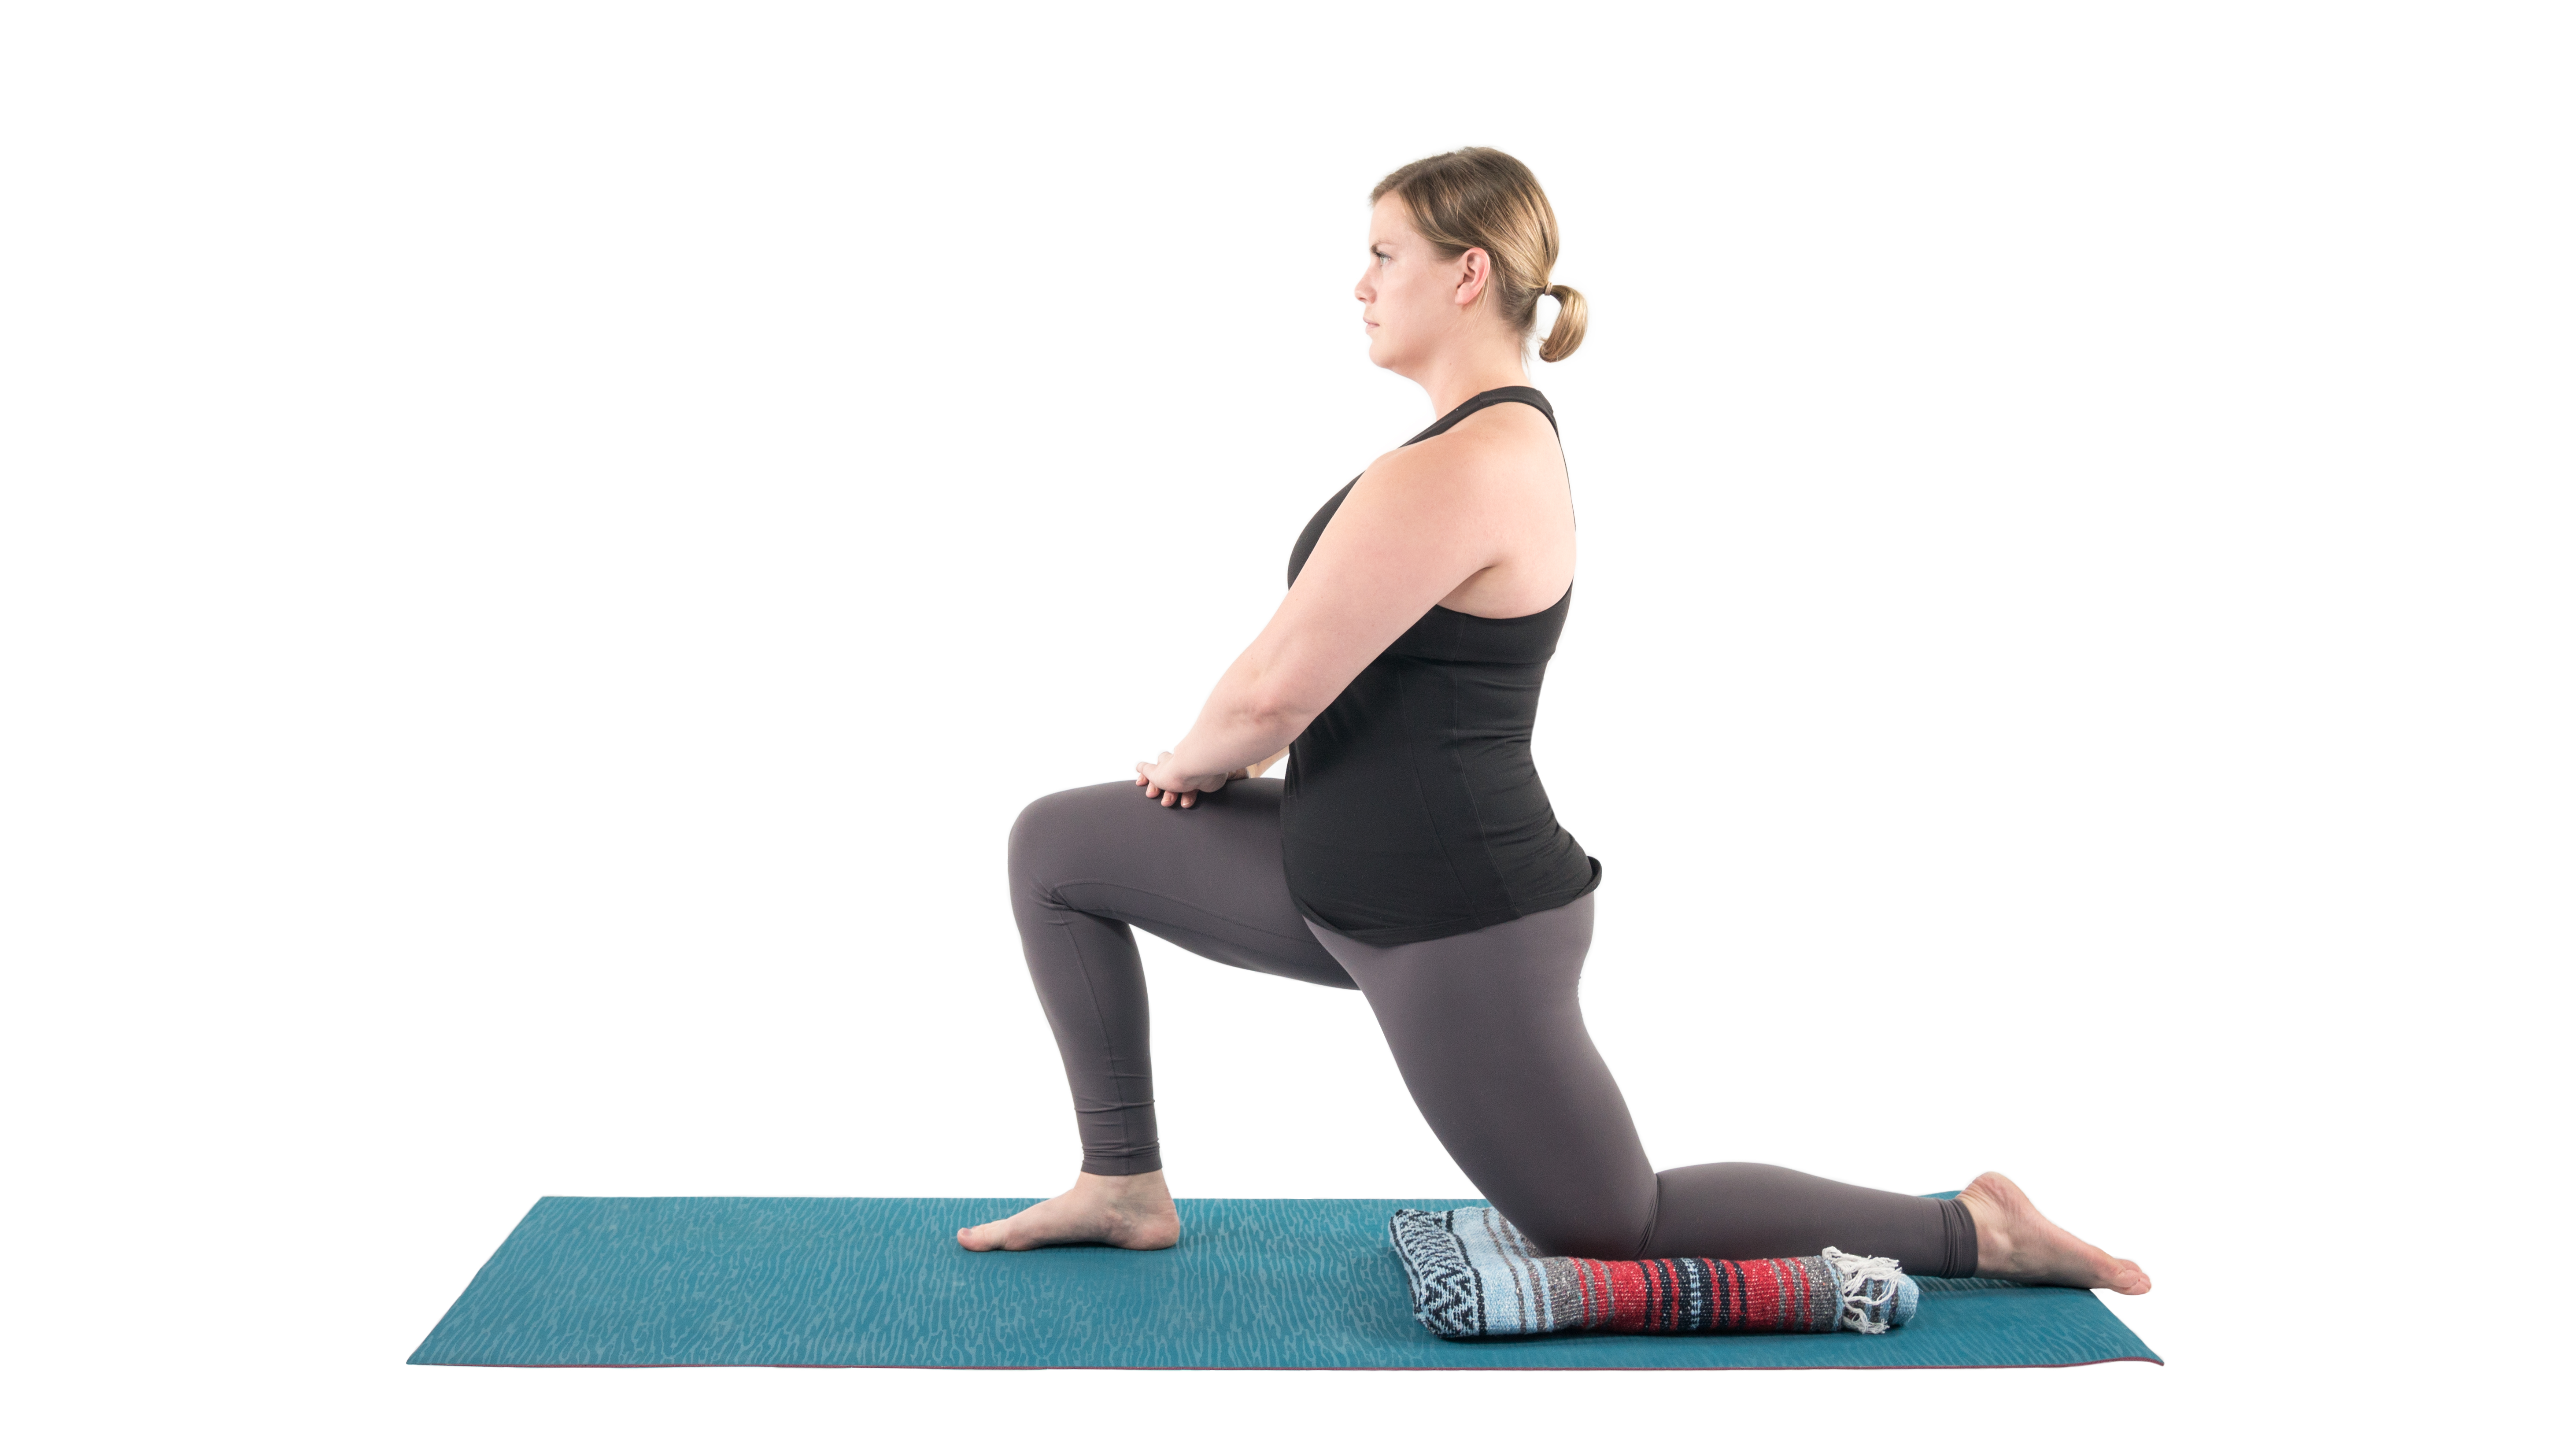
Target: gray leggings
1484 1026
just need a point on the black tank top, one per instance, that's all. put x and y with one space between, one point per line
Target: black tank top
1412 809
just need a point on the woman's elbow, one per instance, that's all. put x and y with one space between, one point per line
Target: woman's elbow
1279 711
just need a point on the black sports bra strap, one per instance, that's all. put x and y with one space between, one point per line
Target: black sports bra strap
1487 399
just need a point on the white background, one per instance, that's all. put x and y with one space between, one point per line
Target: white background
543 547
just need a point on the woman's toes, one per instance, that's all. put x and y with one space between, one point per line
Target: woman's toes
986 1237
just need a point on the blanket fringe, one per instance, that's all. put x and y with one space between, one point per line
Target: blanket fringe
1868 1287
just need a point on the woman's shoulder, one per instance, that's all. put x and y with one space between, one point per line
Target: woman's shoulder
1506 446
1481 506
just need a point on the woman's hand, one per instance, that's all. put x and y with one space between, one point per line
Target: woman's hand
1163 783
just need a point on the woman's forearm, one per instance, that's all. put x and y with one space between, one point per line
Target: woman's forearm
1241 725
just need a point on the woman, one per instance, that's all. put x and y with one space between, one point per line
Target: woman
1411 853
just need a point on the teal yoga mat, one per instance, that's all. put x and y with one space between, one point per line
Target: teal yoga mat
1255 1283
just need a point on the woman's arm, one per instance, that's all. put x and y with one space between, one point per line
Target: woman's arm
1416 526
1257 767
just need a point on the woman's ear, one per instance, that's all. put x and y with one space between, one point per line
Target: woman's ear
1478 270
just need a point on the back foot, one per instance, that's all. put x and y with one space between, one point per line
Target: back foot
2015 1242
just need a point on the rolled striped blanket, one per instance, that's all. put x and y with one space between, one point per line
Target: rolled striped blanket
1474 1276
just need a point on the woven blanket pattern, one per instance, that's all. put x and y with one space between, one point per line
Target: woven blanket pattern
1473 1275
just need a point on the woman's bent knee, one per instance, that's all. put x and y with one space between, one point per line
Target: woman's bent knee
1559 1233
1061 836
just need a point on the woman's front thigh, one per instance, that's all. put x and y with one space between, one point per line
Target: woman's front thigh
1207 878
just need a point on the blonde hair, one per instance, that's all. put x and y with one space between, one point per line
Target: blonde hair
1479 197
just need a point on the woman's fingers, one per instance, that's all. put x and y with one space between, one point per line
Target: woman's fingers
1183 794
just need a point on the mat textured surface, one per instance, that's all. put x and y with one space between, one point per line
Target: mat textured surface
1255 1283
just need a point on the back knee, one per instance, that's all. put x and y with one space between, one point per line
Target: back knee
1583 1237
1578 1210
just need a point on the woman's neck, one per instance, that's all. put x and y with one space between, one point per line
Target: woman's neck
1452 380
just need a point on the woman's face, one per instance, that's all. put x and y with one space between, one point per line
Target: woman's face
1413 301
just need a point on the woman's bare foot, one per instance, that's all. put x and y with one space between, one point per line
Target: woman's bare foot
2015 1242
1124 1212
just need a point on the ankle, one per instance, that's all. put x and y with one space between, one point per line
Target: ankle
1131 1188
1994 1248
